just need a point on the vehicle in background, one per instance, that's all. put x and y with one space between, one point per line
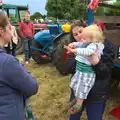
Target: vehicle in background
16 14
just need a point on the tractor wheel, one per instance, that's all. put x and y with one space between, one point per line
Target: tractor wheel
19 48
114 83
36 55
59 52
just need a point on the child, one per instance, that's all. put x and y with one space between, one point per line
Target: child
83 80
28 108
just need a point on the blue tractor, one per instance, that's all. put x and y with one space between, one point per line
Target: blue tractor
44 42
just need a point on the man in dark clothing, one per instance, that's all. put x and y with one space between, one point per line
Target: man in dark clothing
95 103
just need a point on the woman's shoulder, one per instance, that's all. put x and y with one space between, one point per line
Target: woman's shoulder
109 45
6 60
9 60
110 49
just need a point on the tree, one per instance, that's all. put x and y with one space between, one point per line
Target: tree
112 11
66 9
54 8
36 15
100 11
80 9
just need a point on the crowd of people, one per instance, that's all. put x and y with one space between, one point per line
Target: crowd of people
91 70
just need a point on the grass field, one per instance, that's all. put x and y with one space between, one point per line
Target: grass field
51 101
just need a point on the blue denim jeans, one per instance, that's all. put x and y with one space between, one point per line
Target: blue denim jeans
27 49
94 110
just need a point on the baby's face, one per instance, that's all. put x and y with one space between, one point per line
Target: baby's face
85 36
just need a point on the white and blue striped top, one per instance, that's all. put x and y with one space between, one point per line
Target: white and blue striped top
85 50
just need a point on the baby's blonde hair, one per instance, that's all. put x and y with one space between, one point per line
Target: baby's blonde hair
96 34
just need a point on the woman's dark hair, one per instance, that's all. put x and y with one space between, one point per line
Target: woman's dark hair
79 23
3 20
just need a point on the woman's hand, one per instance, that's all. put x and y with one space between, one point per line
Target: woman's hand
70 50
94 59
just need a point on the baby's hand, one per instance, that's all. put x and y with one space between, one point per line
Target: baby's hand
70 50
67 48
21 61
71 45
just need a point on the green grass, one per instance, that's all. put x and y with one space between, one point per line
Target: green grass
51 101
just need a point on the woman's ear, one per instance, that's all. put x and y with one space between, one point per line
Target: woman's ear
1 31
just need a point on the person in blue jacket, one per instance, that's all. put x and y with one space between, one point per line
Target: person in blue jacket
15 81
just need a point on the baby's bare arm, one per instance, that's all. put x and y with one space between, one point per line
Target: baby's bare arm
73 45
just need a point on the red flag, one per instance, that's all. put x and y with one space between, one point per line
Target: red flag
1 3
116 112
66 56
93 5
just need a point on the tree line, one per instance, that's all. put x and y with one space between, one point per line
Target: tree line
72 9
66 9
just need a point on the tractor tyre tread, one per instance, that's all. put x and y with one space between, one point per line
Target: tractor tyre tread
58 55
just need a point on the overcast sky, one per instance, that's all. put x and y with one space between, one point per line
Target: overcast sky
34 5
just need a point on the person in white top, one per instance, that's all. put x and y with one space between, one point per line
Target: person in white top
10 48
83 80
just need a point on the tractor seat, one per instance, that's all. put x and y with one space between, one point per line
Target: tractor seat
53 30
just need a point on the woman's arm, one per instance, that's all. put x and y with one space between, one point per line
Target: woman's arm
21 30
16 76
105 65
33 30
15 33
